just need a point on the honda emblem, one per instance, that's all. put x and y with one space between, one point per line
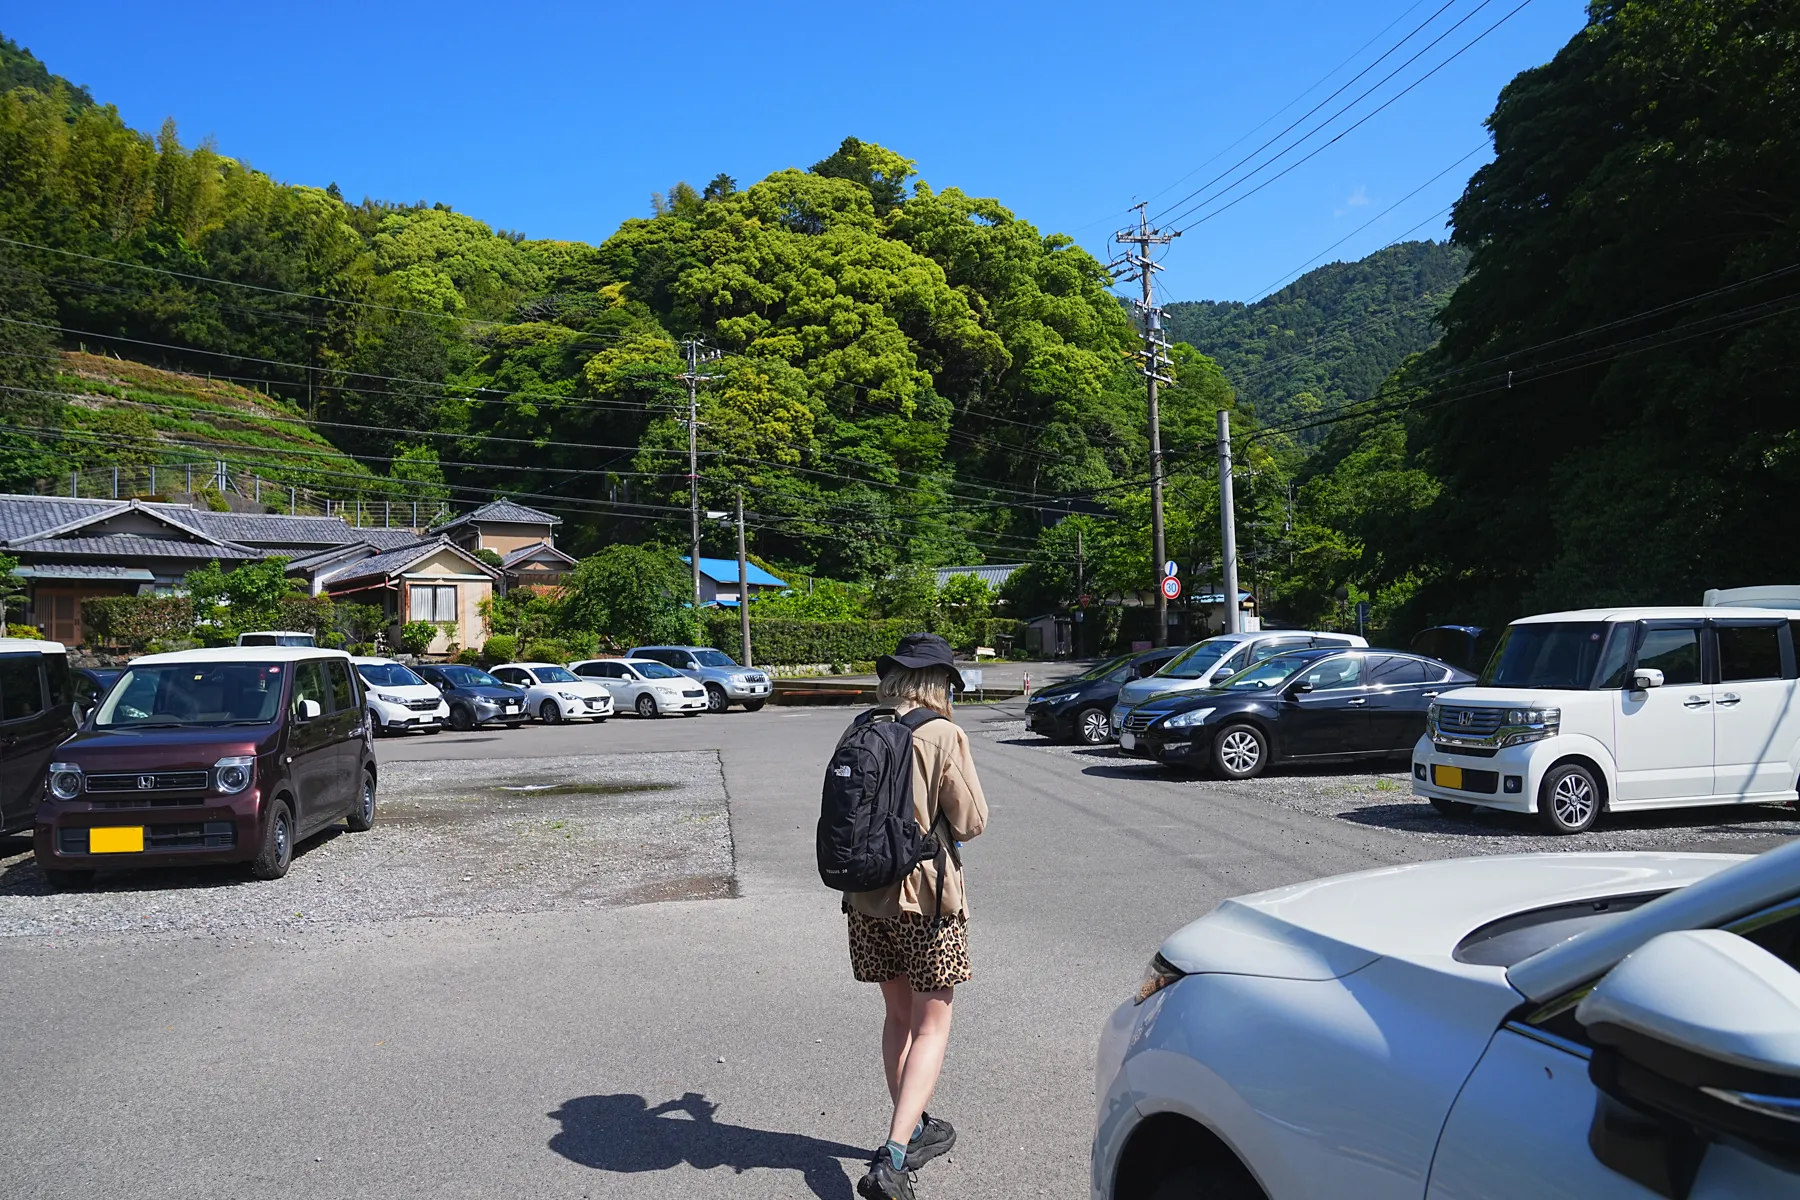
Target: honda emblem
146 782
1465 717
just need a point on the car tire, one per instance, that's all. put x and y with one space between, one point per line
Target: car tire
375 725
362 816
754 705
549 713
1452 808
1196 1182
68 881
1240 751
1093 727
716 699
276 853
646 705
461 719
1568 799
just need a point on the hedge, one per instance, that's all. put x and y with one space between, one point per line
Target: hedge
132 622
781 643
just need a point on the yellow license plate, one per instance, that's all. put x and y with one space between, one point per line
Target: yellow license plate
116 839
1450 777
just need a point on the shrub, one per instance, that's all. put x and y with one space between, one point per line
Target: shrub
547 651
502 647
133 622
24 631
780 643
633 595
469 657
416 636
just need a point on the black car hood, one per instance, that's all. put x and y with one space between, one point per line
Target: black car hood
1180 702
490 693
1065 690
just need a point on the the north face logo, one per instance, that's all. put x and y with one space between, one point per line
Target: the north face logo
841 772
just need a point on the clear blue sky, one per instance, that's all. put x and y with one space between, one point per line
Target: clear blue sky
560 120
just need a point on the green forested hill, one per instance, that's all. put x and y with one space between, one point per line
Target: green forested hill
1329 337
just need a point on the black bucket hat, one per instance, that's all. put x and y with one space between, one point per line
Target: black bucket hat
920 650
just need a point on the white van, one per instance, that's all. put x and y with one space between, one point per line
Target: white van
1620 709
1215 660
399 701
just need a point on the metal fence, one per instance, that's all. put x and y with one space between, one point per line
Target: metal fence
201 481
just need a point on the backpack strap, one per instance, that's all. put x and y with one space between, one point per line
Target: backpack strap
914 720
918 716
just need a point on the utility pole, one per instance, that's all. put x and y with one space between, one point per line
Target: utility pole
743 585
1228 526
1140 267
1080 596
693 379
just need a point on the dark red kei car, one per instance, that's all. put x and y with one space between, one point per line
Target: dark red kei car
210 756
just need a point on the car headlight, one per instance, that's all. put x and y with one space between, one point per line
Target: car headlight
65 780
1530 725
1157 976
234 774
387 699
742 679
571 697
1189 718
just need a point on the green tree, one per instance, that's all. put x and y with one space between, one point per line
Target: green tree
631 595
247 597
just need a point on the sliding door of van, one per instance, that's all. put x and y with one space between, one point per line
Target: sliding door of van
1756 721
1663 736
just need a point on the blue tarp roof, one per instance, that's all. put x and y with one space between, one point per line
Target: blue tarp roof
724 570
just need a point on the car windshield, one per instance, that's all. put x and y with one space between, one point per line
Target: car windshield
713 658
655 670
1270 672
1547 654
388 675
1104 669
461 676
554 675
1199 658
173 694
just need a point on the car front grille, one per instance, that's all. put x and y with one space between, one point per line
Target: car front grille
423 705
1138 722
694 695
1485 783
158 781
189 835
1469 722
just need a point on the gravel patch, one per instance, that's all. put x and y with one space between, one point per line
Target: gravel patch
451 838
1381 797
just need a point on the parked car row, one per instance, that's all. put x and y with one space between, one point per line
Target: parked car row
1573 716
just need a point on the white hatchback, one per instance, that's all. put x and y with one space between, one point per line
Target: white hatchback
398 700
1615 710
555 694
647 687
1593 1026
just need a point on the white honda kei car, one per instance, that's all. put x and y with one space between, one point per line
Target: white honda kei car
1602 1026
1611 710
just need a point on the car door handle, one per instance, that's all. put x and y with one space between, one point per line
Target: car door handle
1695 702
1729 699
1360 700
1430 695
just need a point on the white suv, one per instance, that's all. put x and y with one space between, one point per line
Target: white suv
1204 664
1620 709
398 700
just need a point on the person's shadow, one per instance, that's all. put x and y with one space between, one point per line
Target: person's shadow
624 1133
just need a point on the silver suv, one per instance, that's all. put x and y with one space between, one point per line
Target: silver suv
1206 663
727 683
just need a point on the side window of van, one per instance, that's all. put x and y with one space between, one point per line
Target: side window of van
1674 652
21 688
1748 652
343 697
309 684
60 679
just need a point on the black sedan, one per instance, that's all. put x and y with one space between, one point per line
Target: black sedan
1080 709
1304 706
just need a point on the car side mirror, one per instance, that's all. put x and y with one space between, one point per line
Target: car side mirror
1697 1038
1301 688
1646 677
309 710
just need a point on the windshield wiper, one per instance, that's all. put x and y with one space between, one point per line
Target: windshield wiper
147 725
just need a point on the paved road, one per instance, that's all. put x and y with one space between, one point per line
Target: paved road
683 1049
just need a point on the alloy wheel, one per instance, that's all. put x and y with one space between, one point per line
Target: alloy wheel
1573 798
715 699
1094 727
646 705
1240 751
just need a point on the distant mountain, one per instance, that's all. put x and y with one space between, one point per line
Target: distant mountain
1331 336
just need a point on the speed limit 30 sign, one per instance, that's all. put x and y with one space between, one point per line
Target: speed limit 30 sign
1171 586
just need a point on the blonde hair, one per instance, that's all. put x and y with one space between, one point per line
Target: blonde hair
929 686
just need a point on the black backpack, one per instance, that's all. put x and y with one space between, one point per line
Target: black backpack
867 838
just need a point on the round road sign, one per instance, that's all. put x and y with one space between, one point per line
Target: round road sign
1171 587
1169 569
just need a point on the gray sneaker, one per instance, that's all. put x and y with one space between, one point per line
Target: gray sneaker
938 1137
883 1182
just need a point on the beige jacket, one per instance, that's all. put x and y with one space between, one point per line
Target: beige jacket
943 782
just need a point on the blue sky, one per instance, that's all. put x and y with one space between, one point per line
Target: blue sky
560 120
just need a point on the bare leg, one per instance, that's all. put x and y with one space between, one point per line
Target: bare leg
924 1061
896 1031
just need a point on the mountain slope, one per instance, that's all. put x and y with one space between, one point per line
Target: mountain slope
1331 336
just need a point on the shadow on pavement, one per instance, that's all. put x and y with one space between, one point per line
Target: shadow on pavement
623 1133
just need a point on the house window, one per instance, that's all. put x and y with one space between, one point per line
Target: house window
433 603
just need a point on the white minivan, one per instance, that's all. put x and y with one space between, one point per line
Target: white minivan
1612 710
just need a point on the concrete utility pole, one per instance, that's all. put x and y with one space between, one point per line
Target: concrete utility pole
1228 527
694 379
1155 354
743 585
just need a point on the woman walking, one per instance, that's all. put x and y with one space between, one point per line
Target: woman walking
912 938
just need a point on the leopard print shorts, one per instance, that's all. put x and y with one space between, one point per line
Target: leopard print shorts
932 952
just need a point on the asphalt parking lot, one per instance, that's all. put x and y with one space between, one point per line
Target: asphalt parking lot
653 999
